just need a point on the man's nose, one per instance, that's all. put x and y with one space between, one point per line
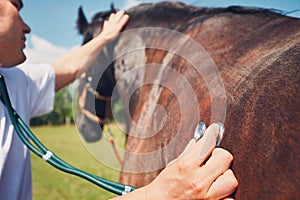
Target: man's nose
26 28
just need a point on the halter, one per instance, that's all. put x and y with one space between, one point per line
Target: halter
95 118
90 89
32 143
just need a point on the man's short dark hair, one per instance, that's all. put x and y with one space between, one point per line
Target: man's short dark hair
21 3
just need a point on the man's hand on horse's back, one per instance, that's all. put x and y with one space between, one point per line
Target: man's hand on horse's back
114 24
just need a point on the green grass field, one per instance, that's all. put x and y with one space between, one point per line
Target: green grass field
50 183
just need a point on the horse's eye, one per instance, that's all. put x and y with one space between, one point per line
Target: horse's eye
100 20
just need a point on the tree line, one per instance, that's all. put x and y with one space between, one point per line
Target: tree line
62 113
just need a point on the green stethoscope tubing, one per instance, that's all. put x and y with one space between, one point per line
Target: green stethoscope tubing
40 150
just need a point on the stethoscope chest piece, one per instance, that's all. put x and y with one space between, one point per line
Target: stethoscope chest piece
201 128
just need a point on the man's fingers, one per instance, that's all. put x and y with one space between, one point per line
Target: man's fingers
207 166
114 24
202 149
217 164
223 186
124 19
118 17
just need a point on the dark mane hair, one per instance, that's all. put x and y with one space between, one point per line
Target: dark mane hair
171 14
185 9
166 10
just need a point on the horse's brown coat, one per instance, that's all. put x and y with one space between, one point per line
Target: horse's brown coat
257 54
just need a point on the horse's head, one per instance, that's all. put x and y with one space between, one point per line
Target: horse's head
96 85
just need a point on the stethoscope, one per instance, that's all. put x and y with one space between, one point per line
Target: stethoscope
29 139
40 150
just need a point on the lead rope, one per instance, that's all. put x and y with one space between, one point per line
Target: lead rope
112 142
40 150
107 99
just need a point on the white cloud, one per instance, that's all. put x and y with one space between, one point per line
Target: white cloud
43 51
131 3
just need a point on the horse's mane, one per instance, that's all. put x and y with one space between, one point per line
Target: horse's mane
179 16
181 8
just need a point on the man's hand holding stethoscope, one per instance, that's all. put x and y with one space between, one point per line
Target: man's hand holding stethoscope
200 172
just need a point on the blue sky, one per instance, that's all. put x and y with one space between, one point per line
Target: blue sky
53 22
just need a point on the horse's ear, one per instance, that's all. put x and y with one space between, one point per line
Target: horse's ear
82 22
112 8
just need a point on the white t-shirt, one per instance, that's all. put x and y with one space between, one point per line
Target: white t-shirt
31 92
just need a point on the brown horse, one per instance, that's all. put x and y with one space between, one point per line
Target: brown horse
175 65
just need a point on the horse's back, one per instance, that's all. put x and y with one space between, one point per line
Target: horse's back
263 127
258 58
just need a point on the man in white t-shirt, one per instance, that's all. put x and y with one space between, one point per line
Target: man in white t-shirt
31 89
36 99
